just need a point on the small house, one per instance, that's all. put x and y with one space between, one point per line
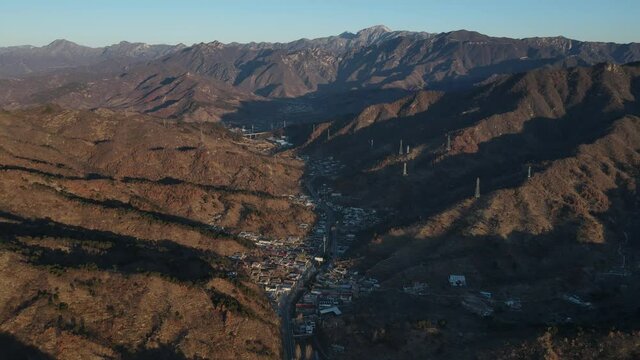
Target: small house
457 280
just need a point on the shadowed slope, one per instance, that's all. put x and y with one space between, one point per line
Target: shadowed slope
115 232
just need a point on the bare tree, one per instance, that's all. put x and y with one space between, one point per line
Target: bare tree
298 353
308 352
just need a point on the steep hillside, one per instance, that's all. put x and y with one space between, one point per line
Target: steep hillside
460 58
380 58
152 90
568 232
268 72
115 232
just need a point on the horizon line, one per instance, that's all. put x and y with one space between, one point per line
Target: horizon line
309 38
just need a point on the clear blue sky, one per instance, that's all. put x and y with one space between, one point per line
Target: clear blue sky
103 22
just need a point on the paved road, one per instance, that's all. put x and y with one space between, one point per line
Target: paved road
286 309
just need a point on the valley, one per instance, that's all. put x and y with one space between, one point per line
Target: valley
372 195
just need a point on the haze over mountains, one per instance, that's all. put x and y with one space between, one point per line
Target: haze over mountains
61 54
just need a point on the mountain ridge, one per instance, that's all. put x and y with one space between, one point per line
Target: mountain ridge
338 69
556 152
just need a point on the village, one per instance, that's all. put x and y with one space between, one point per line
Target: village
305 273
312 285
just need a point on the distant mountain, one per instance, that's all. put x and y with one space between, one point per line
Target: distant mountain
20 60
264 72
140 51
379 58
340 43
64 54
338 69
461 58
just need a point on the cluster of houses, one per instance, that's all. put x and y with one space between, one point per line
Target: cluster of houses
282 142
279 265
417 288
302 199
328 167
331 293
481 303
353 220
335 287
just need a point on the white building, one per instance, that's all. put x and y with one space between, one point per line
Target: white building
457 280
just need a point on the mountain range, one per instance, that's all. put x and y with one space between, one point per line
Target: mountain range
63 54
208 80
126 199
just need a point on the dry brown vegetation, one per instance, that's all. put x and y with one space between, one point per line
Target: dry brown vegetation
535 239
115 230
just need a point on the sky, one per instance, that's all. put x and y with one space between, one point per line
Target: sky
105 22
